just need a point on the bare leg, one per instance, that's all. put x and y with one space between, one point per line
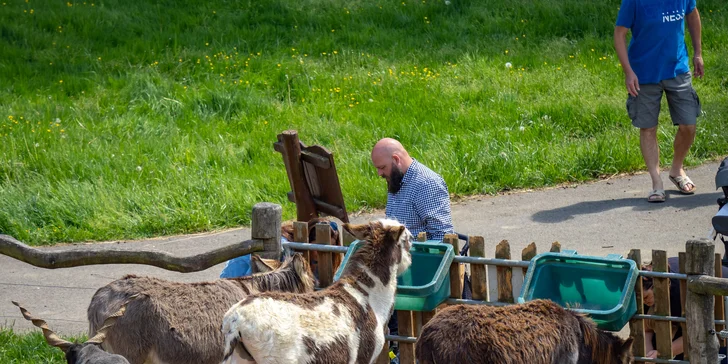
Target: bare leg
651 154
683 141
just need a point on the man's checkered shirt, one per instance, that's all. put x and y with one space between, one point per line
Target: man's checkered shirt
422 203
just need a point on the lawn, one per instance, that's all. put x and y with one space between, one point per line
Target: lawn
29 348
123 120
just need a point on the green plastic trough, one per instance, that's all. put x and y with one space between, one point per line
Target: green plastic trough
426 284
601 287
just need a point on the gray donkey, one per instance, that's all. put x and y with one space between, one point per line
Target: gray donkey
180 322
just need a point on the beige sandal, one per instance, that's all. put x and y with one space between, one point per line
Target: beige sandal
681 182
656 196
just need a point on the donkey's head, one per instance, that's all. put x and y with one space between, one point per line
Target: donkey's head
389 241
606 347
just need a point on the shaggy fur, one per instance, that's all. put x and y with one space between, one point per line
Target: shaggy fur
536 332
344 323
180 322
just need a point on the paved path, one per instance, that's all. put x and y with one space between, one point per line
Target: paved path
607 216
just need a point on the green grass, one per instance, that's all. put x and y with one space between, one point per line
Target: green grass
131 119
29 348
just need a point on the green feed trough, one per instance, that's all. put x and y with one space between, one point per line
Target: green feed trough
426 284
602 287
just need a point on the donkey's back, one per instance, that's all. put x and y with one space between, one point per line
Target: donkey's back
158 325
538 332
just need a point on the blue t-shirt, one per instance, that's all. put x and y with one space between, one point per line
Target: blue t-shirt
657 51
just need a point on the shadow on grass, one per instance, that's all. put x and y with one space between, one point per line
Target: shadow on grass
674 201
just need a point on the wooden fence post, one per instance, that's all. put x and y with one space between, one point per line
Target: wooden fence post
266 226
683 294
406 328
527 254
457 273
325 259
661 291
478 279
300 235
719 312
421 318
505 274
699 306
637 327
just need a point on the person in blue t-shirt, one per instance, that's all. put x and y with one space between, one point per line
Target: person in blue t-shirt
657 61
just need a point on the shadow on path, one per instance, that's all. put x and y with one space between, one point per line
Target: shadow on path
674 200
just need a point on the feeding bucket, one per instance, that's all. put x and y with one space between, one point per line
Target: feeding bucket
426 284
602 287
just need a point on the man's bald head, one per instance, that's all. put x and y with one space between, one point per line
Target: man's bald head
391 160
388 147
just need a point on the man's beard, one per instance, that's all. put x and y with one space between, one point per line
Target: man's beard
394 182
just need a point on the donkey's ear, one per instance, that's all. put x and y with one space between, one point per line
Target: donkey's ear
359 231
261 265
395 232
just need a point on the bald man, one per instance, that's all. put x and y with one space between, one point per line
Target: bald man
417 197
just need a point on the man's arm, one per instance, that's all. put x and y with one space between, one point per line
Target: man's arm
694 27
620 45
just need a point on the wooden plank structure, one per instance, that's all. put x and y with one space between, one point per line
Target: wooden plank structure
315 187
315 190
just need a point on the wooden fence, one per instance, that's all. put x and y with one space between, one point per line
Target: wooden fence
499 281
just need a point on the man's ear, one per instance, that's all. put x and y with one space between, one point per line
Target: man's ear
359 231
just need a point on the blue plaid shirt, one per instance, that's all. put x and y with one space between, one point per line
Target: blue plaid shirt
422 204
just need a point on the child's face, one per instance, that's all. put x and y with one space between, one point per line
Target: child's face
648 297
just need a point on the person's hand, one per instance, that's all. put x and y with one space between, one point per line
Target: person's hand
633 84
652 354
699 67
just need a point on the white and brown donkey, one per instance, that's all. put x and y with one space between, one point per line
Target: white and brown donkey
343 323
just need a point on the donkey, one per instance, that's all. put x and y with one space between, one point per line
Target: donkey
343 323
85 353
180 322
536 332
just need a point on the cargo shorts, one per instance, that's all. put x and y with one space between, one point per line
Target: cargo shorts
683 101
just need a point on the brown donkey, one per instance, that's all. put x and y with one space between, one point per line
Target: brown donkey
536 332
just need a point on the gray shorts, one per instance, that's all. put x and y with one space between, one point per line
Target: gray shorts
682 99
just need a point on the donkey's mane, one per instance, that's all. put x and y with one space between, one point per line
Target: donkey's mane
285 278
370 255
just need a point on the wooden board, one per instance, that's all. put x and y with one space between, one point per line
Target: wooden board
478 279
637 326
663 329
505 274
313 178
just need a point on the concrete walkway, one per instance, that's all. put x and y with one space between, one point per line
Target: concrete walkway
607 216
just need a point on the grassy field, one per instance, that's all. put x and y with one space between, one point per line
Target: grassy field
30 348
131 119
